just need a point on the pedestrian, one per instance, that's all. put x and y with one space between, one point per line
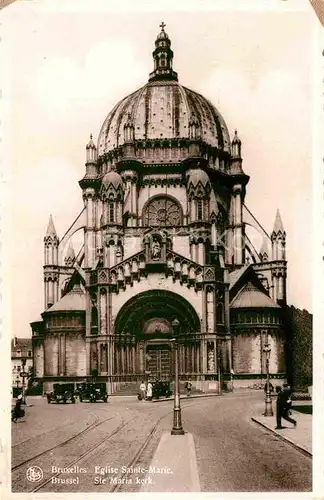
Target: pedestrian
143 390
149 391
283 406
17 412
188 386
286 406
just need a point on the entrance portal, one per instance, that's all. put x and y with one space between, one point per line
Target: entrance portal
143 333
158 362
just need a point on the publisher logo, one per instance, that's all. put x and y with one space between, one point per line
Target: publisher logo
34 474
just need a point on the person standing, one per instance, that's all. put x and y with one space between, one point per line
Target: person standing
143 390
286 404
283 406
189 387
149 391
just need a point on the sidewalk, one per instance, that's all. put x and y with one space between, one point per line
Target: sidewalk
300 436
174 466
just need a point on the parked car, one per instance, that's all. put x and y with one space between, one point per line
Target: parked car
161 389
92 392
62 393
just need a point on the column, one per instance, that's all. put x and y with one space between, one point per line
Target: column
203 346
141 357
281 294
214 234
201 253
103 311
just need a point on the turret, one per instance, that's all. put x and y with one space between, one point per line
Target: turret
236 155
278 238
51 272
279 270
198 192
112 195
91 159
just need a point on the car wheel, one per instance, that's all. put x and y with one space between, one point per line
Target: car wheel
72 400
105 400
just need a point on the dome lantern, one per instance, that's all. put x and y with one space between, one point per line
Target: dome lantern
163 58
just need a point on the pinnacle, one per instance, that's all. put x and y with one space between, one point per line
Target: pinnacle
264 247
90 144
51 231
278 225
70 254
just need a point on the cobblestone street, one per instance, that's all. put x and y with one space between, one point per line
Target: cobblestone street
109 447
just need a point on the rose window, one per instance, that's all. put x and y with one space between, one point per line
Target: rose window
162 211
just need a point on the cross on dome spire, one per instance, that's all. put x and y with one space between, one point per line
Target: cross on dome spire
163 58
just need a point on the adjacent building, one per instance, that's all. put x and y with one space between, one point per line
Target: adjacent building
164 224
21 361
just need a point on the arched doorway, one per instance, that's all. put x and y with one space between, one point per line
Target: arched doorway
143 334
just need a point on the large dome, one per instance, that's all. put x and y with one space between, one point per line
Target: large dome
163 109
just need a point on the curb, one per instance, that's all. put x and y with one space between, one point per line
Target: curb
186 398
284 438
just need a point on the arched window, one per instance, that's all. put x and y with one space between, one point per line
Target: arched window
162 211
220 313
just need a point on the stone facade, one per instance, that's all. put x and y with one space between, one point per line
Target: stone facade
164 239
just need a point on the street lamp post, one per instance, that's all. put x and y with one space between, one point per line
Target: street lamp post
268 412
177 424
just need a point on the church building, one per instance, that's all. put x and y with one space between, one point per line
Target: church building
165 253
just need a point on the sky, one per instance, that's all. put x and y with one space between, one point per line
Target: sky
66 69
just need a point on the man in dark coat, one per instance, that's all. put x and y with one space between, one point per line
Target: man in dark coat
283 405
17 412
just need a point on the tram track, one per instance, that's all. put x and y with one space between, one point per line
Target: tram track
136 457
63 443
85 454
122 478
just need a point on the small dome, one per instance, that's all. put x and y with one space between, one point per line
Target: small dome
113 178
197 175
163 36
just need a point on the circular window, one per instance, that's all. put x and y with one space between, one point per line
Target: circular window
162 211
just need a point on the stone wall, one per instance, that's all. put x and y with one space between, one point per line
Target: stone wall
38 355
75 354
245 353
248 355
51 345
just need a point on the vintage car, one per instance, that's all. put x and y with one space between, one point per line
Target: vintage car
92 392
61 394
161 389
